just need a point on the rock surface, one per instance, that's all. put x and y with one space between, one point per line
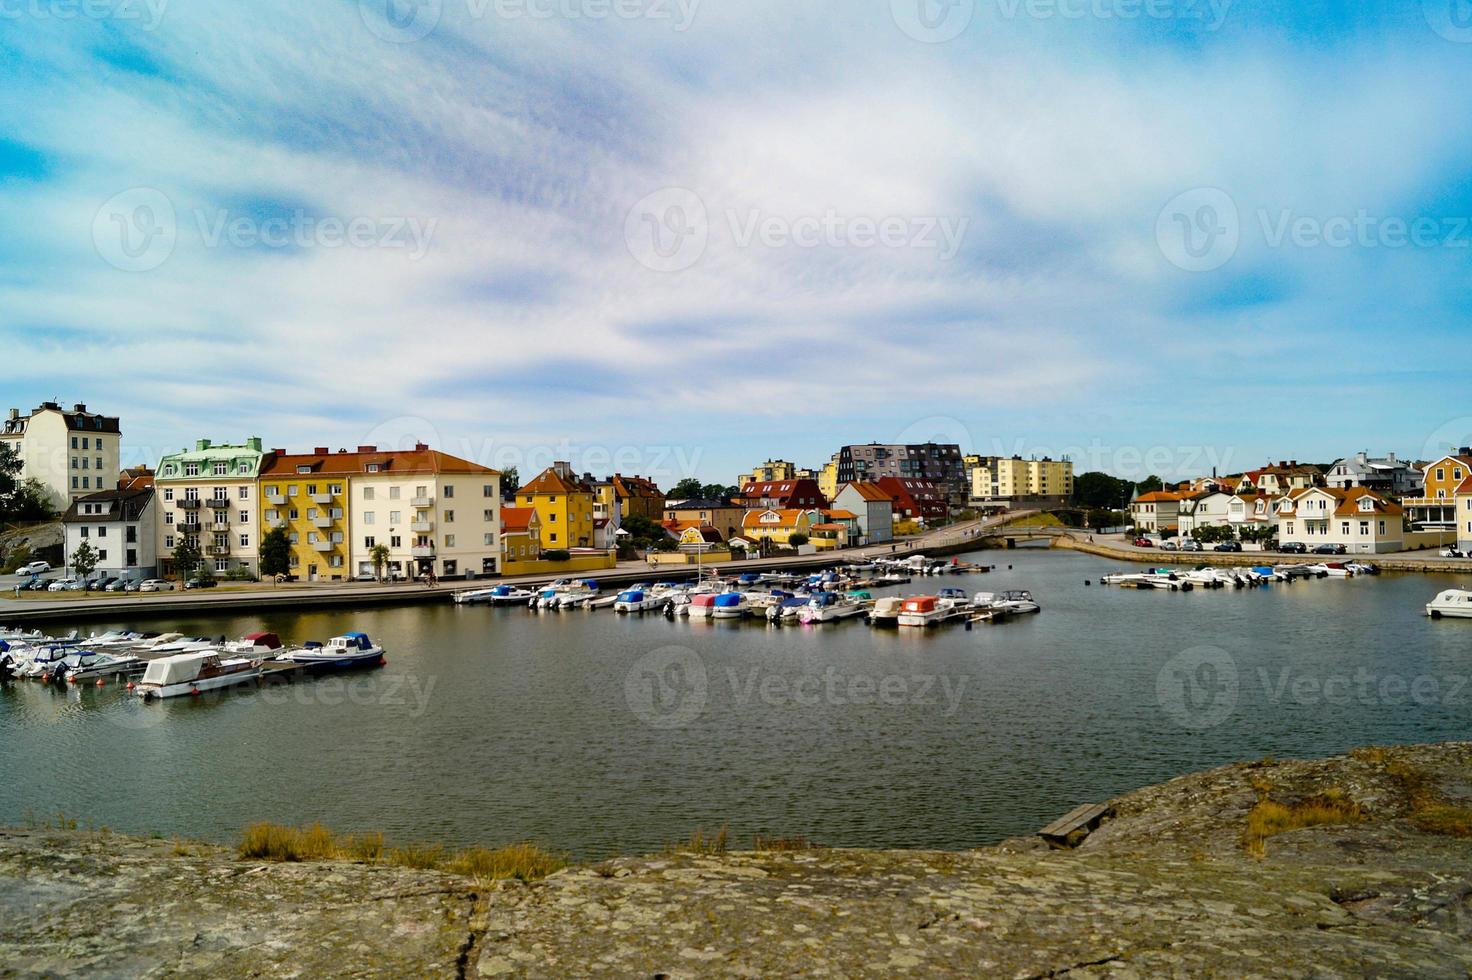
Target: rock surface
1165 887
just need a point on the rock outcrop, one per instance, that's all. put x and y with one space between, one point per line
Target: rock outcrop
1170 885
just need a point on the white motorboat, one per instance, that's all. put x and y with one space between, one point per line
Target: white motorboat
729 605
103 665
576 593
1451 604
18 635
1018 602
829 607
886 611
351 651
257 645
194 673
638 600
929 610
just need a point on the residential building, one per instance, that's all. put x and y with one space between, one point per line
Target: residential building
1013 482
1158 511
565 506
776 526
435 512
1211 508
937 463
119 525
772 471
874 508
782 494
1434 507
1252 510
207 495
135 478
723 515
915 500
521 535
307 496
1285 477
1384 474
72 453
695 537
828 478
619 497
1362 520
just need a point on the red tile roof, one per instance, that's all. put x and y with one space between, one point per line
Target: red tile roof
517 520
344 463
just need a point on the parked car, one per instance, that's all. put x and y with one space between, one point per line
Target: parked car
1229 546
34 568
101 582
156 585
1191 544
200 583
38 584
1452 553
117 585
1293 548
1144 543
64 584
1168 546
1330 549
133 586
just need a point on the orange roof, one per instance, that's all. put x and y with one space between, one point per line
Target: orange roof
1158 496
788 518
842 515
869 491
517 520
551 482
1346 502
344 463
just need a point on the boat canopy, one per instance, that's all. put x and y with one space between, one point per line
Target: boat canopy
501 590
706 599
358 640
633 595
729 600
268 640
178 669
920 603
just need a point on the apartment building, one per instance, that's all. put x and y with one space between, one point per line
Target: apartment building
71 452
207 496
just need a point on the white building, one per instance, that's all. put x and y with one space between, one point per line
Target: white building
73 453
873 507
1207 509
1385 474
1358 518
119 525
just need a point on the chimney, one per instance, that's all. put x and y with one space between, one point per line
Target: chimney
1390 458
14 414
367 449
421 447
278 452
1363 457
321 451
201 445
80 408
254 442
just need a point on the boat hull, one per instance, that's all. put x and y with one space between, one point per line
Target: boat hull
200 685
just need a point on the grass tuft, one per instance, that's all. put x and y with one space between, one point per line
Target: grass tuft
523 862
702 843
1270 818
424 857
275 842
762 843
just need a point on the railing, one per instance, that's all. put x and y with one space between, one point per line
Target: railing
218 550
422 527
422 503
276 522
422 552
321 498
277 499
190 503
324 546
322 521
218 502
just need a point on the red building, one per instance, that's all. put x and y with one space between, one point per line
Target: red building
916 499
783 495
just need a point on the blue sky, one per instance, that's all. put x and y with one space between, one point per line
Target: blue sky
681 236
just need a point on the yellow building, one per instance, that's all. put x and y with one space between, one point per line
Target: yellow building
307 495
620 497
828 478
772 471
776 526
565 507
1012 479
521 536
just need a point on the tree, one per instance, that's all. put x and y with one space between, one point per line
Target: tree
84 560
557 554
276 552
719 491
798 540
1151 484
688 489
10 464
187 558
1100 519
1100 490
379 555
510 481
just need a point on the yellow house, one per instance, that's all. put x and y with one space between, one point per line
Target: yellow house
1435 507
828 478
565 506
521 535
307 495
776 526
772 471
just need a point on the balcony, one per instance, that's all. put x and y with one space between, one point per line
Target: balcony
321 498
422 503
325 547
190 503
276 499
217 550
190 527
218 503
422 527
323 522
275 522
425 551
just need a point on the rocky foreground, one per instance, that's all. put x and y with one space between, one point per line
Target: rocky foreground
1169 885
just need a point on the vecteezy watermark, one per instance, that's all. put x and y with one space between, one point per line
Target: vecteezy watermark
671 688
939 21
138 231
377 690
671 229
145 15
1198 688
1452 19
933 21
1202 229
406 21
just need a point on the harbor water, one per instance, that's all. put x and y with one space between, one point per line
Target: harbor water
594 733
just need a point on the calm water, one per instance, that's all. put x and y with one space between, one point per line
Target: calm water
596 733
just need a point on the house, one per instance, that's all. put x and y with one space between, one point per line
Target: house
606 533
135 478
915 500
208 496
433 512
521 535
565 505
782 495
1434 507
940 464
723 514
1252 510
1386 474
1207 508
707 531
828 478
772 471
1003 481
874 508
1357 517
618 497
1158 511
775 526
699 537
72 453
119 526
1287 476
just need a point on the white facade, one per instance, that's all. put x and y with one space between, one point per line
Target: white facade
1385 474
119 525
1361 520
876 516
449 523
73 453
1205 510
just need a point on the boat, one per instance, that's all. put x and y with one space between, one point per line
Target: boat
576 593
105 665
351 651
473 597
18 635
194 673
701 606
637 600
260 645
886 611
929 610
1452 604
1018 602
729 605
788 609
828 607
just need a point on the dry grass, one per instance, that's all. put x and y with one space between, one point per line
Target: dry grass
1374 755
1430 813
702 843
761 843
1270 818
274 842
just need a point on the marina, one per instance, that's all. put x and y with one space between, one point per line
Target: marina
497 724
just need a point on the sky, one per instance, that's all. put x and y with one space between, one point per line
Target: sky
679 237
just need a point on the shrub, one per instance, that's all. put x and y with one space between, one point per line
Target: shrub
557 554
798 540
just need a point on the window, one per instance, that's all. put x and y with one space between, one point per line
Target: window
245 493
1344 528
367 493
488 491
449 491
552 537
221 468
395 541
191 469
245 517
369 517
369 541
1365 528
102 532
335 489
132 534
168 540
86 531
86 482
311 489
245 540
295 537
291 490
222 565
449 541
449 517
293 513
74 442
488 516
395 516
393 493
372 468
99 463
490 539
311 537
102 555
168 517
1382 528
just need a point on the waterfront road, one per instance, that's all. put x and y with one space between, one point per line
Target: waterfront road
74 607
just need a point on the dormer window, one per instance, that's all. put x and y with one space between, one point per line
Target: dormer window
372 467
304 468
1367 504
